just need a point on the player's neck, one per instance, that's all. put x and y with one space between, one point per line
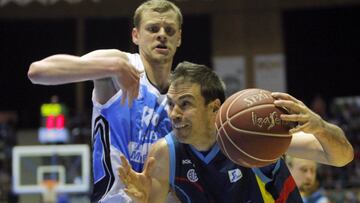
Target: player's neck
158 74
204 144
309 191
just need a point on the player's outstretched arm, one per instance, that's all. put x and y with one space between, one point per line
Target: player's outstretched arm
63 68
96 65
314 138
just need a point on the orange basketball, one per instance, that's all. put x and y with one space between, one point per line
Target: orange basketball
249 129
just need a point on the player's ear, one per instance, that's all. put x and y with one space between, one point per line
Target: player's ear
216 105
135 36
179 40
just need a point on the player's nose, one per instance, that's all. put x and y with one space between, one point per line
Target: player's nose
175 113
162 35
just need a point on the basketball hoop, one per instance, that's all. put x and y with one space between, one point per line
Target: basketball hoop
49 195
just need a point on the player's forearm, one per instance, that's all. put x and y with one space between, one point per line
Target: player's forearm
158 193
63 69
338 150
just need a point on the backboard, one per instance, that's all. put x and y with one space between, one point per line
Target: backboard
69 165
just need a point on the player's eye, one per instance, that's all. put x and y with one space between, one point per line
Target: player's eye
304 170
170 31
153 28
170 104
184 104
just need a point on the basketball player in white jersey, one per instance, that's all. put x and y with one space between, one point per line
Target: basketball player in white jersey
129 96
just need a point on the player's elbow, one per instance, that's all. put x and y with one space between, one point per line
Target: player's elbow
347 157
34 73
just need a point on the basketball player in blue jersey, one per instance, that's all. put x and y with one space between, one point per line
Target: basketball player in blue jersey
139 81
188 161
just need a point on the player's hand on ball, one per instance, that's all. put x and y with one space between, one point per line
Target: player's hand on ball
249 119
308 121
137 185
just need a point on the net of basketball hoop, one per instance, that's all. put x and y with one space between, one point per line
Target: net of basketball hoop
49 195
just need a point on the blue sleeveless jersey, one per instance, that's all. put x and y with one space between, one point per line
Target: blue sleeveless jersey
213 178
119 129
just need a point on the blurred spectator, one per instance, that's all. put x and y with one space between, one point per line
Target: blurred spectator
304 173
8 120
318 105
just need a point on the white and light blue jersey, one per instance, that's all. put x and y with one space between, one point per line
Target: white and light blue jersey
119 129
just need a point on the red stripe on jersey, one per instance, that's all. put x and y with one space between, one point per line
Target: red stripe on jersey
288 187
191 183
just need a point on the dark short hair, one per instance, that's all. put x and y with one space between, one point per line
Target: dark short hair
159 6
211 86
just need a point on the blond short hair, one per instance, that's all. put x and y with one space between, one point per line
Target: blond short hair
159 6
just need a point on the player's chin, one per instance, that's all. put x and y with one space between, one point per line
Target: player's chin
181 136
305 187
159 58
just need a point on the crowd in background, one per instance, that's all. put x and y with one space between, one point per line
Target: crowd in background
342 184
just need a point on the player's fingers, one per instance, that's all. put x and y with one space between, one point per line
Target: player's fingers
124 162
300 118
285 96
122 175
134 192
124 96
280 95
126 170
138 194
134 76
129 192
138 72
133 91
133 176
290 106
136 89
299 128
133 94
130 98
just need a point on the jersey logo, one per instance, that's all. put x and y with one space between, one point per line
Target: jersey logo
192 176
235 175
186 161
138 151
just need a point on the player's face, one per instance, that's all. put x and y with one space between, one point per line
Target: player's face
192 120
304 173
158 36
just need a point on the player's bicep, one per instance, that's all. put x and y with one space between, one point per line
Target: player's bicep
159 191
160 172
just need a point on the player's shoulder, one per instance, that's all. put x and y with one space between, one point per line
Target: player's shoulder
159 149
160 146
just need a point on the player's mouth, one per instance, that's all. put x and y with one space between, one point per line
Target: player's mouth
179 126
162 49
306 186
